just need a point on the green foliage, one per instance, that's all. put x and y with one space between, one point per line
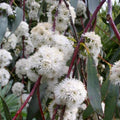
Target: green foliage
3 26
93 86
92 5
111 101
14 23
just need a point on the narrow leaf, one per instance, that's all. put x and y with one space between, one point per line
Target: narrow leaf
15 23
117 20
111 101
74 3
6 110
33 109
3 26
92 5
89 110
93 86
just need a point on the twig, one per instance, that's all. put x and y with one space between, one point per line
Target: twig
39 101
55 112
111 22
71 21
11 2
56 14
81 39
31 93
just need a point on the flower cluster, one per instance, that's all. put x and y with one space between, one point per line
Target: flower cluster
62 19
93 42
115 73
71 93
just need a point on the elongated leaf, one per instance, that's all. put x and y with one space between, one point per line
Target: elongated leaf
3 26
93 86
89 110
117 20
74 3
33 109
19 16
6 110
92 5
111 101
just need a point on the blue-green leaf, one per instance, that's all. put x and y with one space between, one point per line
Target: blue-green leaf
15 23
93 86
74 3
6 110
92 5
33 109
3 26
111 101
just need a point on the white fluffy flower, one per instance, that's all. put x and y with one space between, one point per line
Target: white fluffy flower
81 13
22 66
22 29
17 88
48 61
93 42
41 35
115 73
5 58
64 45
71 92
4 77
6 7
70 113
23 98
9 42
34 9
81 8
62 20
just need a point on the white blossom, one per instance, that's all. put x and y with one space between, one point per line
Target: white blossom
17 88
115 73
22 29
71 92
4 76
6 7
22 66
5 58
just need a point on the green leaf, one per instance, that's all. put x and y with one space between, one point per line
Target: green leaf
33 108
111 101
3 26
93 86
89 110
117 20
74 3
104 89
6 110
6 89
15 23
92 5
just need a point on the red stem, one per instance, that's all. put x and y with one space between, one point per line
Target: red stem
111 22
71 21
39 101
55 112
11 2
56 14
32 92
24 10
81 39
23 45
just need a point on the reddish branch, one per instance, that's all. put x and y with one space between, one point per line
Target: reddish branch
11 2
31 94
111 22
39 101
81 39
56 14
